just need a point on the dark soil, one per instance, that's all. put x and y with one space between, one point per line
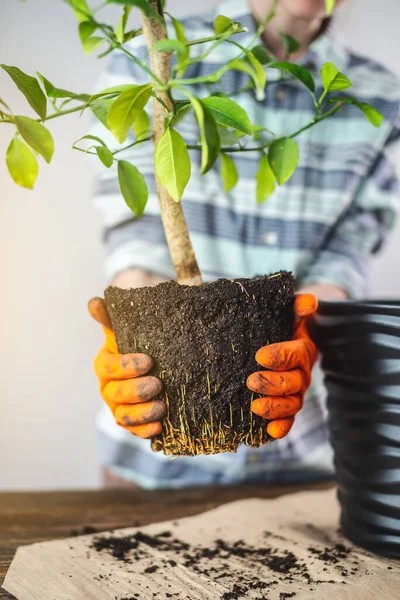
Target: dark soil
240 575
331 555
203 341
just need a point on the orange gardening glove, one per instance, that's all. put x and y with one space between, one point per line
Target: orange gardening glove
289 367
124 385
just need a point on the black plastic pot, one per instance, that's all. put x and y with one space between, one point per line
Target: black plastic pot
360 344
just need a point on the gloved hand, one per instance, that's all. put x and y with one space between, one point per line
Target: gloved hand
124 385
289 367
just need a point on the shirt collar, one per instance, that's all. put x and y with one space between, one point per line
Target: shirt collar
326 48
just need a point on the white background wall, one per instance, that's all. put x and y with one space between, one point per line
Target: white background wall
51 253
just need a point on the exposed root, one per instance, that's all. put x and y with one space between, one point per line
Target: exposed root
216 436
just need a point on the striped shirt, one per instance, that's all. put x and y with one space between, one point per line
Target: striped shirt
322 225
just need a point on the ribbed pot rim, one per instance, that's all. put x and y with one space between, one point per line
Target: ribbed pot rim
356 307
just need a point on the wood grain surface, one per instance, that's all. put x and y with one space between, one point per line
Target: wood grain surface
26 518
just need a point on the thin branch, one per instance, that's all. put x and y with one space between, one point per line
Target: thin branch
55 115
64 112
160 100
85 151
117 44
213 77
316 120
213 38
265 22
133 144
232 149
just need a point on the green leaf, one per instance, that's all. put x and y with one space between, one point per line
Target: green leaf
90 137
209 135
259 77
5 105
283 156
172 163
125 109
89 42
86 28
81 9
105 155
227 112
30 88
253 68
262 54
92 43
143 5
181 37
171 46
330 5
120 28
229 137
54 92
333 80
100 108
222 24
129 35
133 187
22 164
369 112
141 125
291 45
229 172
299 72
179 29
265 180
112 91
181 109
37 136
258 130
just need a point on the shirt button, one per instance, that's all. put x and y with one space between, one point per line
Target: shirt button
310 66
270 238
280 94
252 458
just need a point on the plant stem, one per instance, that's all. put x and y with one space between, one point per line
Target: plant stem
265 22
84 151
212 38
133 144
316 120
312 123
65 112
232 149
88 150
133 58
54 115
175 227
213 77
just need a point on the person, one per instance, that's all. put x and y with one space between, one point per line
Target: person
322 225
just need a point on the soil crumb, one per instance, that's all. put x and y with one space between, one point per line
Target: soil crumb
238 566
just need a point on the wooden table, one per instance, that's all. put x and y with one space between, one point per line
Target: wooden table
31 517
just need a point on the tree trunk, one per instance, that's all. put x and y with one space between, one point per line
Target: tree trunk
176 230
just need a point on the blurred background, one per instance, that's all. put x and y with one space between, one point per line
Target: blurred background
51 251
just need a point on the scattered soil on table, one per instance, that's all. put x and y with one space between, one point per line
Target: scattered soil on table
203 340
236 565
331 555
